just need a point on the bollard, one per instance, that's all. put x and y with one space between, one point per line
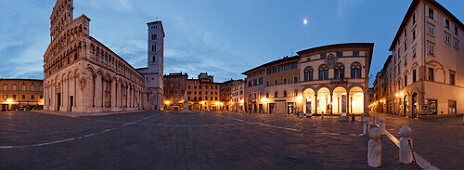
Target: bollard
373 120
405 146
322 115
463 120
366 126
382 125
374 149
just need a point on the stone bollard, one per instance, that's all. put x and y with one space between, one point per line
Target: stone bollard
405 146
373 120
382 125
366 126
374 149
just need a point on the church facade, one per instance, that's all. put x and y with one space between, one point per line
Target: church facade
83 75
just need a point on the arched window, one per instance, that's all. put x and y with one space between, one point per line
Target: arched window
308 74
267 83
356 70
285 80
295 79
276 82
339 71
285 93
323 72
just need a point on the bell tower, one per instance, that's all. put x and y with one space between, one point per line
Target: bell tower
156 52
62 15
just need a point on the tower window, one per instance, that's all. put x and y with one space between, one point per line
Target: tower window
154 59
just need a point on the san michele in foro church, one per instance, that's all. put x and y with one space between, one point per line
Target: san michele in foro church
83 75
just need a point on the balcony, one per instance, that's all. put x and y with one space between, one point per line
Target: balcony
339 81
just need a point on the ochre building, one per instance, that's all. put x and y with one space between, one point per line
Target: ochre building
424 74
330 79
21 94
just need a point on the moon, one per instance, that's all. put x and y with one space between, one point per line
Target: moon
305 21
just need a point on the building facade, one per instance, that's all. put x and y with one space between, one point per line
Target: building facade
153 74
174 90
314 81
226 93
21 94
424 74
203 93
83 75
238 92
335 78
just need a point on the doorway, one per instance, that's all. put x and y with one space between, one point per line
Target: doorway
414 105
343 102
71 104
405 106
58 104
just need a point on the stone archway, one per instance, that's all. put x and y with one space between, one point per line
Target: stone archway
356 100
309 96
323 100
339 101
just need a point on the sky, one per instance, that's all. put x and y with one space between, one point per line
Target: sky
221 37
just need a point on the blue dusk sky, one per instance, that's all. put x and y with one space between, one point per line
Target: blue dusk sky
221 37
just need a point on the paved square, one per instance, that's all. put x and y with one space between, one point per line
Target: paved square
171 140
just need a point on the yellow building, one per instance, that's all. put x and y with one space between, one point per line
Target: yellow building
20 94
423 76
330 79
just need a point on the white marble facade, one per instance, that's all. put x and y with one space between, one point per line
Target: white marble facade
83 75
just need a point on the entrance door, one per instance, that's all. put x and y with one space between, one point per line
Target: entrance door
271 107
290 108
58 101
344 105
414 105
433 107
71 104
452 107
405 106
308 107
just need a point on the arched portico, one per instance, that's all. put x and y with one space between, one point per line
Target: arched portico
357 104
339 101
309 96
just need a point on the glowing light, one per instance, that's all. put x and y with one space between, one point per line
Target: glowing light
264 100
167 102
299 98
305 21
397 95
9 101
242 101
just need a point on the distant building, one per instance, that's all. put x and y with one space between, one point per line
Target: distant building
238 92
174 90
226 93
425 73
203 93
20 94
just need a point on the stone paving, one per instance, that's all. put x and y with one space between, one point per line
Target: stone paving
171 140
441 142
